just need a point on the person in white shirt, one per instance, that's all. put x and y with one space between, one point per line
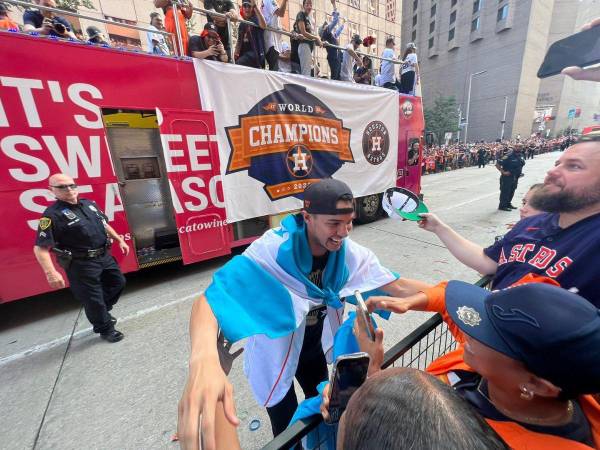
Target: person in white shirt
272 12
387 73
409 76
349 57
285 58
156 41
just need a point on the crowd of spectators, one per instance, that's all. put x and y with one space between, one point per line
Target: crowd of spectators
256 44
456 156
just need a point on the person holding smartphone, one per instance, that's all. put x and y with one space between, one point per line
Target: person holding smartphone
285 294
528 358
208 45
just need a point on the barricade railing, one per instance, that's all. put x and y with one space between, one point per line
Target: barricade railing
90 18
418 349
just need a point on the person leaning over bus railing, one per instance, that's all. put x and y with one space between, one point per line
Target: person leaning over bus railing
226 7
562 243
184 13
6 23
45 22
250 46
157 44
528 359
208 45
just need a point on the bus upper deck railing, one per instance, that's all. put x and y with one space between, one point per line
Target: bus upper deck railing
418 349
176 37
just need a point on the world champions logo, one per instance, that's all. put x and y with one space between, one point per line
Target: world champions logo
287 141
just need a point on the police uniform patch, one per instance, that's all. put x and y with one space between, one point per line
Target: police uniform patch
45 223
69 214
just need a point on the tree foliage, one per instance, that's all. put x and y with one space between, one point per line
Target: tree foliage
442 117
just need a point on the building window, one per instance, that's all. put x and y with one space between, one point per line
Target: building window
415 4
454 2
451 34
390 10
432 27
452 17
374 7
354 3
502 13
433 10
353 28
413 36
476 6
414 20
431 42
475 24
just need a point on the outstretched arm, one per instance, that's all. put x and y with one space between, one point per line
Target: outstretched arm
467 252
207 386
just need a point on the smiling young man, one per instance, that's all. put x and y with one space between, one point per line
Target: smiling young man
562 244
286 295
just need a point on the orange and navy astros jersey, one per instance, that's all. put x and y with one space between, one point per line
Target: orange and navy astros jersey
537 245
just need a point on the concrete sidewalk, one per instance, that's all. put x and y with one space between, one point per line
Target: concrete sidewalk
124 396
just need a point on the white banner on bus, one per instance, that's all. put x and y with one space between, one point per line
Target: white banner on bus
279 132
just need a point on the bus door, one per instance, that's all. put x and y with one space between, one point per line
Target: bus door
191 156
134 142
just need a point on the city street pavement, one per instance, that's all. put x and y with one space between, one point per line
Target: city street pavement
124 396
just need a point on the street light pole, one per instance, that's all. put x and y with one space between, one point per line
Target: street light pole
504 118
469 101
459 123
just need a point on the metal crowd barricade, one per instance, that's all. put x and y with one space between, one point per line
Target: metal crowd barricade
420 348
93 19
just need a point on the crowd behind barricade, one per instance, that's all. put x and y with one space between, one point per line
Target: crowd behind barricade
456 156
260 41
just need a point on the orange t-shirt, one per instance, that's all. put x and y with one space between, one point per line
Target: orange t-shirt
516 436
7 24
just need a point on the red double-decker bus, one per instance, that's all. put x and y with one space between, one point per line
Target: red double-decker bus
91 112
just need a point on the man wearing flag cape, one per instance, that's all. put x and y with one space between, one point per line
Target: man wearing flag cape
286 295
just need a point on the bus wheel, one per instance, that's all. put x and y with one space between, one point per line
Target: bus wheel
367 208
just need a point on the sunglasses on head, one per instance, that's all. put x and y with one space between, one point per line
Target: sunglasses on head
64 187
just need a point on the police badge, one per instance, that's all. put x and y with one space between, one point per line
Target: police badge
45 222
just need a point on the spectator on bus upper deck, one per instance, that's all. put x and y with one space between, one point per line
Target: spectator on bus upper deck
285 58
272 12
45 22
306 40
250 46
363 75
6 23
184 12
387 73
330 33
226 7
157 44
95 36
208 45
350 55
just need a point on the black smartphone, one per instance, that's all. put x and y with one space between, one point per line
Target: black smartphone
361 310
581 49
349 373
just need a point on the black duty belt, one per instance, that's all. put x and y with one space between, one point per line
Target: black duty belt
88 254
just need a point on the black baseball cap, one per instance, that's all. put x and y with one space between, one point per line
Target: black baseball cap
356 39
93 31
211 28
554 332
322 197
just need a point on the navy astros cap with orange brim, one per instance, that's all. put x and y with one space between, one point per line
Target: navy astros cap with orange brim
322 197
554 332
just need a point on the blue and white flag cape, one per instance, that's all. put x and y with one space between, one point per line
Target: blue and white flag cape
265 294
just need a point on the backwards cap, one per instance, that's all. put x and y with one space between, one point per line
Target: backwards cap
322 197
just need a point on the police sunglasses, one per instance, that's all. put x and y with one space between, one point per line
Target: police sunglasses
64 187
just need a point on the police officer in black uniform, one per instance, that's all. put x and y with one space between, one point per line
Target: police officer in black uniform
77 231
510 167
